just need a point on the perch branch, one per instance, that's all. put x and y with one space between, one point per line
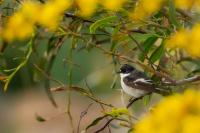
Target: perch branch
83 91
133 100
183 81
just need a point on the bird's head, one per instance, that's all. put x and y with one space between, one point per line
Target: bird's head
126 69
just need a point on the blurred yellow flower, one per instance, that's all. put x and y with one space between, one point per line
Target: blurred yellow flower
187 40
174 114
144 8
113 5
1 1
184 4
51 13
188 4
21 24
87 7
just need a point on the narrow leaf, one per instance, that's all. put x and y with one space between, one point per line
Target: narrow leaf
101 22
114 41
147 46
157 54
147 99
172 14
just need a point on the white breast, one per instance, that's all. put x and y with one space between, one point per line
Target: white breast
129 90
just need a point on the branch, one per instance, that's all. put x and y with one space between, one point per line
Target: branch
119 55
82 115
107 123
82 91
183 81
70 15
46 75
133 100
170 81
21 65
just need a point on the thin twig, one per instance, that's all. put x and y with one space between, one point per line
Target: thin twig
107 123
46 75
82 115
85 93
142 50
157 73
51 58
133 100
101 105
69 78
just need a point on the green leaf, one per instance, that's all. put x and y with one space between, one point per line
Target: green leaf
102 22
116 112
96 121
21 65
147 46
157 54
147 99
196 71
114 41
172 14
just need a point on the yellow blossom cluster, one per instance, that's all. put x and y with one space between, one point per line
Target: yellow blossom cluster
88 7
187 39
113 5
1 1
145 8
174 114
22 23
187 4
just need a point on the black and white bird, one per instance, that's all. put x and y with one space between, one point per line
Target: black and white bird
136 83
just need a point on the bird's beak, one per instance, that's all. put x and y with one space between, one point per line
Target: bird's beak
118 72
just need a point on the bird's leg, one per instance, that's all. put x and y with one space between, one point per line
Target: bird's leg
132 100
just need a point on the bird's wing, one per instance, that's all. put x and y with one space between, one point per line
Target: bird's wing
139 80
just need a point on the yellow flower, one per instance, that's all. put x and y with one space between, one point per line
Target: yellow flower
21 24
30 10
1 1
177 113
113 5
187 40
188 4
179 39
51 13
87 7
144 8
184 4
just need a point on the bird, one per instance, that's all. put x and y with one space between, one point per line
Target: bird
136 83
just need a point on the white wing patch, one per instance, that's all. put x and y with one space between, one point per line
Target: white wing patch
143 81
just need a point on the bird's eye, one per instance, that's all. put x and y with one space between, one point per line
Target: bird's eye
123 70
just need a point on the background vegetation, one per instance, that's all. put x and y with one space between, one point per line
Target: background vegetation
61 47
